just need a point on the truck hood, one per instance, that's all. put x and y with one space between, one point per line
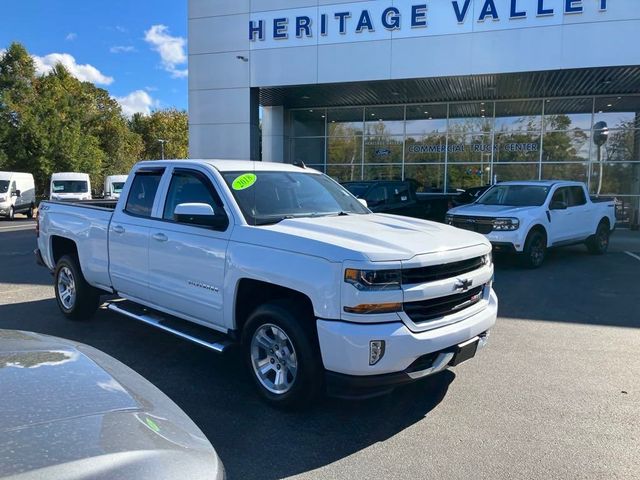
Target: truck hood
477 210
372 237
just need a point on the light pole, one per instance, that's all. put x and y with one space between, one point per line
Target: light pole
600 137
162 142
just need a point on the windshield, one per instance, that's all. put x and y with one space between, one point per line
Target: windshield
270 197
4 186
117 187
515 195
70 186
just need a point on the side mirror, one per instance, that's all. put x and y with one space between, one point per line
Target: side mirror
17 193
201 214
558 206
363 202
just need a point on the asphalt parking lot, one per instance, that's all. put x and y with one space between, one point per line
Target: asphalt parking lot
555 395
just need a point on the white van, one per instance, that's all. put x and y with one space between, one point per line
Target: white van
17 194
70 186
113 185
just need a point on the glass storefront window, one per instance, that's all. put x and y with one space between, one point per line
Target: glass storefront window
470 117
428 178
307 150
470 148
345 173
467 176
308 123
615 178
567 114
426 149
618 112
345 122
517 147
426 119
567 146
517 171
383 149
565 171
621 146
344 150
381 121
383 172
520 116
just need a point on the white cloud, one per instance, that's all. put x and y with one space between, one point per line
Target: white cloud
137 102
84 73
121 29
2 52
71 37
151 89
123 49
171 49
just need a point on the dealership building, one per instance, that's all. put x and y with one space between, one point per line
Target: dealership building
452 94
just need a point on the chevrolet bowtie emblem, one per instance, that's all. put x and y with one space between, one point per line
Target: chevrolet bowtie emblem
463 285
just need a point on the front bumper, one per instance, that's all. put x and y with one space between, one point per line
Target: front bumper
345 346
510 242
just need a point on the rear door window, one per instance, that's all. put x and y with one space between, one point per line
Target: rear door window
143 193
578 197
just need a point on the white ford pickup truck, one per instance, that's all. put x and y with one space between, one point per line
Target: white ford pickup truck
318 291
529 217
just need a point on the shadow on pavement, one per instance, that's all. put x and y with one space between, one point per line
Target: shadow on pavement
572 286
253 440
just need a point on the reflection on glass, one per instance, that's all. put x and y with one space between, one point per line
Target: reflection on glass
345 122
567 146
470 148
383 149
568 114
383 172
425 119
384 120
307 150
615 179
517 147
467 176
308 123
471 117
522 171
344 150
520 116
428 178
342 173
426 149
621 146
565 171
618 112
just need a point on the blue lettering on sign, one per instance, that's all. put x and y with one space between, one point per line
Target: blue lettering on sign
572 6
323 24
253 29
488 9
303 24
391 18
542 11
461 14
419 16
280 28
342 16
364 22
514 10
603 5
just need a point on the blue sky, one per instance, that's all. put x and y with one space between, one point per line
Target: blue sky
135 49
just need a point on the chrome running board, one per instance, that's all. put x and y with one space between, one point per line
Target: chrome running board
218 343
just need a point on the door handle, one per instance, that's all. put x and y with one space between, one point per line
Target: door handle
160 237
118 229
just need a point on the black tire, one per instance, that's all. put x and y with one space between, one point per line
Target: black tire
30 212
299 327
12 214
85 299
535 250
598 244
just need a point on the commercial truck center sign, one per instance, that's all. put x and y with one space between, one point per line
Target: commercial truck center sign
365 21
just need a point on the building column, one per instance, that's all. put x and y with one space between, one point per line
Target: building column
273 134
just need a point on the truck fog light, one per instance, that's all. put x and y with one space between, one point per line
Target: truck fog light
376 351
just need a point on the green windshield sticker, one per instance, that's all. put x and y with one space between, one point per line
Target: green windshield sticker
244 181
152 425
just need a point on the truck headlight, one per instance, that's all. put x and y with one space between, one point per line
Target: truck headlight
373 279
487 260
448 219
506 224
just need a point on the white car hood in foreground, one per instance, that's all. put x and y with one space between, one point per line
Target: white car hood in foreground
477 210
372 237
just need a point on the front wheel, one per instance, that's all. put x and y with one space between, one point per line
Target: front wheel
30 212
535 250
76 299
12 214
281 352
598 244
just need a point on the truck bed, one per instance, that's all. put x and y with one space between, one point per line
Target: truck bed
100 203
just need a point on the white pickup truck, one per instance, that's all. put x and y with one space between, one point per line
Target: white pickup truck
529 217
281 259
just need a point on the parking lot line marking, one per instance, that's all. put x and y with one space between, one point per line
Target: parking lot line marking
637 257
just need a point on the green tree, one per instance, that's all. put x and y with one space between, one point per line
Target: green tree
170 125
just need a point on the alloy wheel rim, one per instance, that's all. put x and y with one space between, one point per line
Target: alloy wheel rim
537 252
274 359
66 288
603 240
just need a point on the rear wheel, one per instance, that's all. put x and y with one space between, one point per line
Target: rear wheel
30 212
281 352
76 299
12 214
535 250
598 244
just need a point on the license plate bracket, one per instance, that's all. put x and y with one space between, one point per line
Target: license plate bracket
465 351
